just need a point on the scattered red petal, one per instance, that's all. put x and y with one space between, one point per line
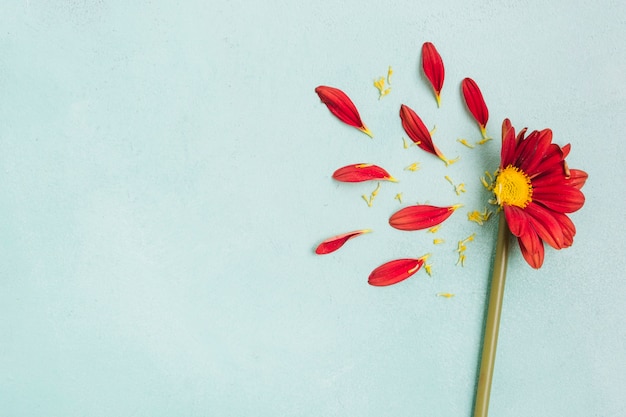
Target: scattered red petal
332 244
342 107
394 271
420 217
433 69
475 103
418 132
362 172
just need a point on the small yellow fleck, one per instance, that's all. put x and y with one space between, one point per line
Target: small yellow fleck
405 144
432 132
399 197
466 143
415 166
367 200
448 161
429 269
461 260
389 74
434 229
488 174
445 294
483 141
375 192
438 241
484 182
449 180
475 216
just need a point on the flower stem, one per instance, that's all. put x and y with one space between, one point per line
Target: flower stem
490 338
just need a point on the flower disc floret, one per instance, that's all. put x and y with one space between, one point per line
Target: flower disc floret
513 187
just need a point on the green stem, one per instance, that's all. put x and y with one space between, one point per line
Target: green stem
490 338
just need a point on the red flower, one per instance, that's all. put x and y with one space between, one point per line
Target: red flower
332 244
433 68
420 217
395 271
476 104
362 172
419 134
342 107
536 190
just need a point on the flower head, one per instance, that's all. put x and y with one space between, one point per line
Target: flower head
536 190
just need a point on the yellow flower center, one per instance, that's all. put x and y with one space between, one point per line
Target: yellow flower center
513 187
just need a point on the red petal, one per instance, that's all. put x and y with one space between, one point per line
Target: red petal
341 106
335 242
568 228
362 172
394 271
417 130
577 178
532 248
475 102
433 68
537 146
561 198
508 144
516 219
420 217
546 225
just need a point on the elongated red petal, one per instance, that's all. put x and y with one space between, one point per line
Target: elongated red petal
420 217
433 68
335 242
342 107
475 102
508 144
532 248
417 130
362 172
394 271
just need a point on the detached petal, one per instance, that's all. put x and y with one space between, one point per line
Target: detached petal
362 172
475 103
433 68
335 242
342 107
394 271
418 132
420 217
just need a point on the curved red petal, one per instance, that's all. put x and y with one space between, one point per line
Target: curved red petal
475 101
532 248
546 225
420 217
362 172
516 219
432 65
508 144
577 178
332 244
568 228
341 106
394 271
564 199
537 147
417 130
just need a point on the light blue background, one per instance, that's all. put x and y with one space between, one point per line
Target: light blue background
165 176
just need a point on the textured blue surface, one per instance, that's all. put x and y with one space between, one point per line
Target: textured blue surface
166 175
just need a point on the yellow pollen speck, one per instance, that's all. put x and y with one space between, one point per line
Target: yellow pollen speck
399 197
438 241
466 143
434 229
478 217
461 260
389 74
415 166
432 132
513 187
483 141
370 200
429 270
445 294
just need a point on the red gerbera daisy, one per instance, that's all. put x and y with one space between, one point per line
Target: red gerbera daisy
536 190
